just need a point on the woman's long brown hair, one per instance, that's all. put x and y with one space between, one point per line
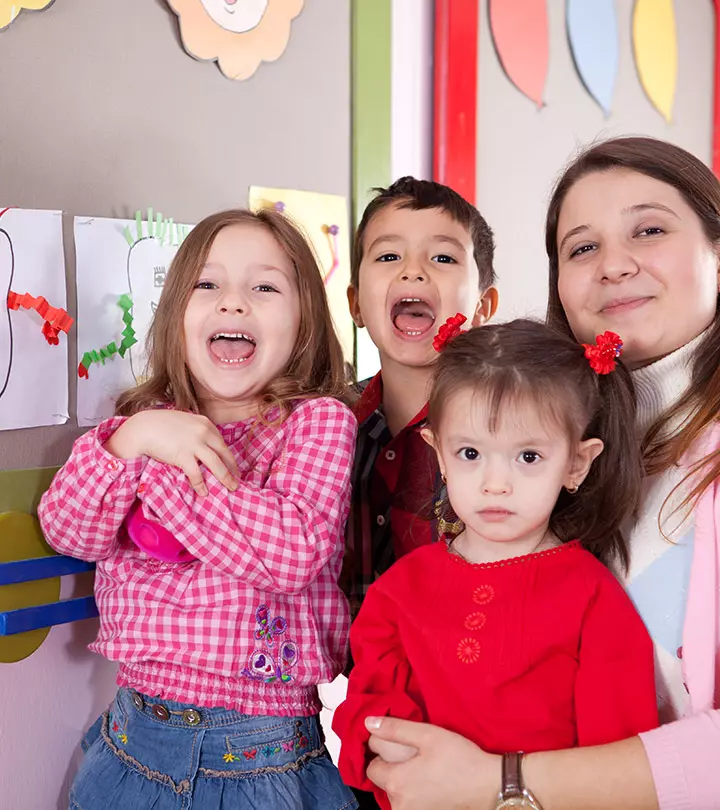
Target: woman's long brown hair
315 367
699 406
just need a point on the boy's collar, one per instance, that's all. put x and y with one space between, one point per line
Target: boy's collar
371 400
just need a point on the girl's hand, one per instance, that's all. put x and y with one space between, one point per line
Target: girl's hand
448 771
183 440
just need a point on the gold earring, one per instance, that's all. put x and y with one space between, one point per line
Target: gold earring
573 489
442 478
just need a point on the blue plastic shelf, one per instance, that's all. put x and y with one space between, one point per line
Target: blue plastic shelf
33 618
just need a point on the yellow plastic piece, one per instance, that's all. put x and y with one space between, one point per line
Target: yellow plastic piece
20 539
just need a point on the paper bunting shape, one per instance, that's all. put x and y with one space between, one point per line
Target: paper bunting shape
9 9
519 30
592 30
239 34
656 52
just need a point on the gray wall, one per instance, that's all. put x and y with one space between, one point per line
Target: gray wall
103 112
522 149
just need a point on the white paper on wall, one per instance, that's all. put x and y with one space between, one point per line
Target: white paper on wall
121 267
33 371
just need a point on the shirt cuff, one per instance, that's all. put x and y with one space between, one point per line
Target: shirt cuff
684 763
110 464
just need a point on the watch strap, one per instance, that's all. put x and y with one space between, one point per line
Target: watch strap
512 784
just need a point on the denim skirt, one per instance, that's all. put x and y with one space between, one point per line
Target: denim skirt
152 754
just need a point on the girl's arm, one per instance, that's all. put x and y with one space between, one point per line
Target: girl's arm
377 685
279 536
90 496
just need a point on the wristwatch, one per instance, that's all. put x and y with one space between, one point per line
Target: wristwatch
513 792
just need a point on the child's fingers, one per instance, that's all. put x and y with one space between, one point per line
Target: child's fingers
192 470
217 467
225 453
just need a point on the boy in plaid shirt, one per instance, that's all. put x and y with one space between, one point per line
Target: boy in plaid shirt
422 253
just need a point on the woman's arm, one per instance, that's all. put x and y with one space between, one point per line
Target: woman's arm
453 773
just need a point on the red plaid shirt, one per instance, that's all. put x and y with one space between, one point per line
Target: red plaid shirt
395 483
192 631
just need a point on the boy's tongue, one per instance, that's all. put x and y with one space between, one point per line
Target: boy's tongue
415 316
231 348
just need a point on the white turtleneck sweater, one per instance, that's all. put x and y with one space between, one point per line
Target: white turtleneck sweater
660 565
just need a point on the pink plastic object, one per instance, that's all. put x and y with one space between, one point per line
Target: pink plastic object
154 539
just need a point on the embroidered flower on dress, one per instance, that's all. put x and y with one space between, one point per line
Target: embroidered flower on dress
468 650
483 594
475 621
229 757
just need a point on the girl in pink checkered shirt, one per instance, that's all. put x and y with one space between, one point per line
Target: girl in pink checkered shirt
214 504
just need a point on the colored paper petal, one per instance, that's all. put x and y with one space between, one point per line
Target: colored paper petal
593 35
9 9
656 53
520 32
238 35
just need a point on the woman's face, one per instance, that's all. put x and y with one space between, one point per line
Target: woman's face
633 258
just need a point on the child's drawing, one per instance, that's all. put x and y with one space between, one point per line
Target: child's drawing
121 270
33 350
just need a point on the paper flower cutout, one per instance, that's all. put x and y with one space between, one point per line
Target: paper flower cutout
239 34
9 9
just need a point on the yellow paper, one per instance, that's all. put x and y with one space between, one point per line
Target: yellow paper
315 214
656 53
9 9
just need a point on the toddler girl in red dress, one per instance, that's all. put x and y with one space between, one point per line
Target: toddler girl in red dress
514 633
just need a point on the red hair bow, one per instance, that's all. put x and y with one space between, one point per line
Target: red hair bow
449 330
603 354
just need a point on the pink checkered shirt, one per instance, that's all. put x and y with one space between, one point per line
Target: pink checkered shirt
192 631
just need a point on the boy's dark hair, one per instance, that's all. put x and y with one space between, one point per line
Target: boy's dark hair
531 364
418 195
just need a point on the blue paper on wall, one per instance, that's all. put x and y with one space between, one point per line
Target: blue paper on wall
593 35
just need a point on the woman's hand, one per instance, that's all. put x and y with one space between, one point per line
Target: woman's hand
183 440
447 771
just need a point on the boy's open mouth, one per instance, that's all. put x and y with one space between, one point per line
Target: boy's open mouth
412 316
232 347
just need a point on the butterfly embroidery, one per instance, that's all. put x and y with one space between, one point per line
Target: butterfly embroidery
267 629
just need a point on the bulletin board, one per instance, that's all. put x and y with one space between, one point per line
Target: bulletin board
107 114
